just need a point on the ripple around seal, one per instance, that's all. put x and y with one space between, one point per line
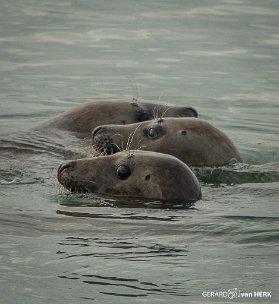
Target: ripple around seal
126 287
17 177
239 174
129 252
97 200
129 216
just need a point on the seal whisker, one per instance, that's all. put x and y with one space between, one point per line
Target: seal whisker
136 148
114 144
85 143
96 152
133 135
64 190
156 112
57 186
128 141
135 90
88 189
160 107
164 113
122 144
117 134
60 189
92 150
154 116
103 153
140 147
102 149
86 140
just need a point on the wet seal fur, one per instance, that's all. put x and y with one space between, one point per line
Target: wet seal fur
81 120
134 174
194 141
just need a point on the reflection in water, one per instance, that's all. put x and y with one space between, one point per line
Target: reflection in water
96 200
113 216
129 252
131 249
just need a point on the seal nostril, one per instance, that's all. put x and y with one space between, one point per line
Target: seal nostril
96 130
192 111
69 165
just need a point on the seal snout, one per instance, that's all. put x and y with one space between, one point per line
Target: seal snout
95 131
63 167
102 139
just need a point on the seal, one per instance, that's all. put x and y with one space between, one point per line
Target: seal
81 120
194 141
134 174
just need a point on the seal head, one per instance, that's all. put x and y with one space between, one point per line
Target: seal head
135 174
82 119
194 141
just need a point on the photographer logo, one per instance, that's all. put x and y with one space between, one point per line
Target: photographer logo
234 293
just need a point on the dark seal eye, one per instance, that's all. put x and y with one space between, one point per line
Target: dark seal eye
143 116
141 113
152 133
123 172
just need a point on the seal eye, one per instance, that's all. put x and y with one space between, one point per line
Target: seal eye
141 113
152 133
143 117
123 172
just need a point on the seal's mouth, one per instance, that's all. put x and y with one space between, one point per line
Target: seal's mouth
102 140
80 186
105 145
70 182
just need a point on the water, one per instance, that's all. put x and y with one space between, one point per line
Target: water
221 57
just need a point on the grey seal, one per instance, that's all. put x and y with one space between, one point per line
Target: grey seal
134 174
192 140
81 120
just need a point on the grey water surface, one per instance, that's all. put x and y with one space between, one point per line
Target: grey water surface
220 56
